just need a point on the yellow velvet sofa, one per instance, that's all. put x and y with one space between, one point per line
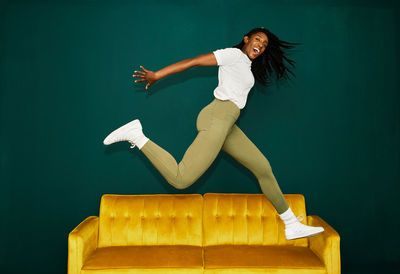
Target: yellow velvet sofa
191 233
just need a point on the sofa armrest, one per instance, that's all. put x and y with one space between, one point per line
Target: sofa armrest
326 245
82 241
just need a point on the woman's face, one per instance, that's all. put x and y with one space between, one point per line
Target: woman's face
255 45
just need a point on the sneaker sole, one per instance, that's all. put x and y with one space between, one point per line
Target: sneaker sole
307 236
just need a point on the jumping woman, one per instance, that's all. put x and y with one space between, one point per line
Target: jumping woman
257 56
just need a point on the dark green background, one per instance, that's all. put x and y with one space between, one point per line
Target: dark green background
332 134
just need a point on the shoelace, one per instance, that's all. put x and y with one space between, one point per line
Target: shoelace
300 218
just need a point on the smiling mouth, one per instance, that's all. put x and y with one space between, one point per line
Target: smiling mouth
256 50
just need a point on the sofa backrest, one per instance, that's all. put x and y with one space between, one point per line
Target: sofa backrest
247 219
160 219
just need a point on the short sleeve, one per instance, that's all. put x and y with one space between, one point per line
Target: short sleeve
226 56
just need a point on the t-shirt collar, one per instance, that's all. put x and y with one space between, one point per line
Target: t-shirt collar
248 60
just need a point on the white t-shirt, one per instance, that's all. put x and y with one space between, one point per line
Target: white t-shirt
235 78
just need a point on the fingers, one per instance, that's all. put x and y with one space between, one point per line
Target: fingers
141 72
142 75
141 80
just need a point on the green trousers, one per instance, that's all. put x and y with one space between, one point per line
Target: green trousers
216 130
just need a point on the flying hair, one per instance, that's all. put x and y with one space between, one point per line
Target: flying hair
272 61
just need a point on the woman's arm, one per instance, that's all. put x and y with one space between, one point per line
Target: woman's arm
151 77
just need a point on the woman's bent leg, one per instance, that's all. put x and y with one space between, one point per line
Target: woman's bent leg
213 124
196 160
239 146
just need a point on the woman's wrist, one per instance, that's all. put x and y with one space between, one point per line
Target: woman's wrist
157 75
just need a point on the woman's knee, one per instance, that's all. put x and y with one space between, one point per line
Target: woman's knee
265 174
262 169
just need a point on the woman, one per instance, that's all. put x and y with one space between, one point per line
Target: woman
257 56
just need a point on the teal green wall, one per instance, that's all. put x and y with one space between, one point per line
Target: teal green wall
332 134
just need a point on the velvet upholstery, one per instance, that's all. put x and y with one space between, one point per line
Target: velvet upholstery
272 270
191 233
139 257
247 219
283 257
326 245
82 242
150 220
149 270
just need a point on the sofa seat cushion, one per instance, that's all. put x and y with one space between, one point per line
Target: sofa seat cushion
248 256
127 257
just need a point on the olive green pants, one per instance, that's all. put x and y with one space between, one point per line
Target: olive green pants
216 130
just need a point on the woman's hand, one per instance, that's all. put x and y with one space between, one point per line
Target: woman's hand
146 75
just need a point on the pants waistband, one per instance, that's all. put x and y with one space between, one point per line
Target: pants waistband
229 105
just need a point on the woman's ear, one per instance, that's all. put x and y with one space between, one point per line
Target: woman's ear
246 39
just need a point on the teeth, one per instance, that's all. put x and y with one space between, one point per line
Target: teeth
257 50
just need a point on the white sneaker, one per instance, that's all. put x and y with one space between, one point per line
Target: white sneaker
131 132
298 230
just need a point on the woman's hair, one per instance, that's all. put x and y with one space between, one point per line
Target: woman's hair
271 60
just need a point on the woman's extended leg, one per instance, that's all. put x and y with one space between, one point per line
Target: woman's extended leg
239 146
244 151
214 123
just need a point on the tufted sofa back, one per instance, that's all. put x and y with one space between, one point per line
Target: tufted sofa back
150 220
248 219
